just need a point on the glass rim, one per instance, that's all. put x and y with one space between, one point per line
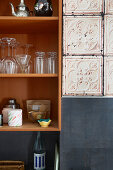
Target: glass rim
52 54
39 52
22 55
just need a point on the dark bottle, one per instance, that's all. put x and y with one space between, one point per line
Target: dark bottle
43 8
39 153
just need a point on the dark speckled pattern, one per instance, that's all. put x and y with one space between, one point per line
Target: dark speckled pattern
87 134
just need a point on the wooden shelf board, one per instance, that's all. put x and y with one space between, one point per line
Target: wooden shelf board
29 126
28 24
12 18
28 75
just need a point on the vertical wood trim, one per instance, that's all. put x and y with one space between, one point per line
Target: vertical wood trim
60 63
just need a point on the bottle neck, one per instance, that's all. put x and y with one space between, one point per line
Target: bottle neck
39 146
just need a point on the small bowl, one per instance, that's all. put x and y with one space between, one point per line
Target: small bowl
44 122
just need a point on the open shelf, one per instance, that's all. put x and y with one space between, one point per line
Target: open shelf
28 19
29 126
28 75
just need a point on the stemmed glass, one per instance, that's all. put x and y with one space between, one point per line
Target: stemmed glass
8 42
1 57
9 62
26 47
30 65
23 61
25 51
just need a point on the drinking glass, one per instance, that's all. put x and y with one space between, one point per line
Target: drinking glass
7 43
24 50
39 63
9 62
1 62
23 61
30 65
52 62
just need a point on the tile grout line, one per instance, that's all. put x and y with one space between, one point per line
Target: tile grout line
103 43
102 14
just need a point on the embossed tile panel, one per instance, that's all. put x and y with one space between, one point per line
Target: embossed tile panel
108 76
82 6
109 6
108 43
82 75
83 35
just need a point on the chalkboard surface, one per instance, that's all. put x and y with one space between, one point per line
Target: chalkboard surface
86 140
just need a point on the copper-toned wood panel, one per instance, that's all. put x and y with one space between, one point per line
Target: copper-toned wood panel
30 88
5 9
41 41
28 24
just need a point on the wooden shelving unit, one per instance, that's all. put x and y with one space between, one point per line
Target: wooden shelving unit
45 33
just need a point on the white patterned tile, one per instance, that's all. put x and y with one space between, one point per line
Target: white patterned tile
82 6
108 35
82 75
83 35
109 6
108 76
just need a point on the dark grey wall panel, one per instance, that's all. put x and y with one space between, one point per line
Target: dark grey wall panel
19 146
87 134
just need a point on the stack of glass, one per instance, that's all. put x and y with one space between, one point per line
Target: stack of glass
14 61
45 64
10 63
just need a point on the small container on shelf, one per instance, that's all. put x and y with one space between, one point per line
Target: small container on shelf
5 114
38 109
44 122
15 117
43 8
12 104
1 120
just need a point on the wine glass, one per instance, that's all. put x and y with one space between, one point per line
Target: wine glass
6 41
24 48
9 62
23 61
1 62
30 65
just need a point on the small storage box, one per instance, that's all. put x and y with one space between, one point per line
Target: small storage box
11 165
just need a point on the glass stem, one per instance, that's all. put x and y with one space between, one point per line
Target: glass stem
26 50
8 50
3 51
12 50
